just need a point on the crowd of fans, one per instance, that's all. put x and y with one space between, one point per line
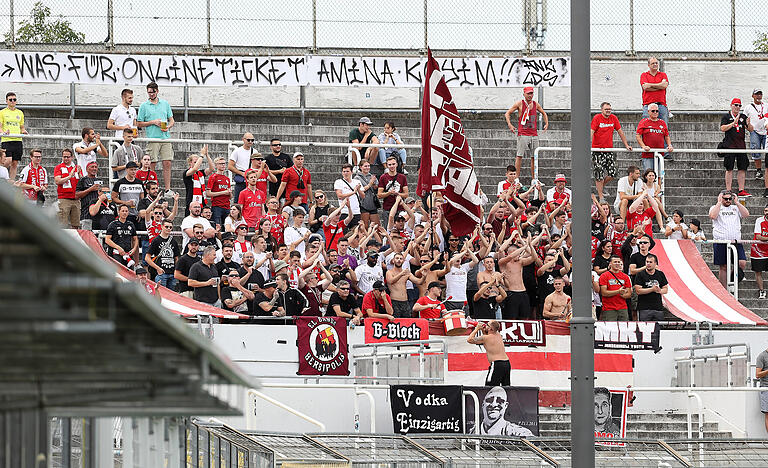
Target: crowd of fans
258 239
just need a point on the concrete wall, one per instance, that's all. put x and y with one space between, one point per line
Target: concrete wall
618 82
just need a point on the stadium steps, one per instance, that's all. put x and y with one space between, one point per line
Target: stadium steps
693 180
672 426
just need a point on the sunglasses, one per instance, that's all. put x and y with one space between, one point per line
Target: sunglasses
243 227
250 140
319 196
736 105
12 99
424 261
644 242
654 111
727 199
343 289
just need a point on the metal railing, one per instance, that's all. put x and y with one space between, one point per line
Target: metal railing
690 361
432 363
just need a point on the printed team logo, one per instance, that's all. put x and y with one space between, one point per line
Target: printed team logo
326 342
322 344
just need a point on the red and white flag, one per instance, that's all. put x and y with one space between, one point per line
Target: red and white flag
446 160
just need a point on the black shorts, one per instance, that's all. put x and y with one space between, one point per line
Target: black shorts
517 306
498 374
13 149
370 212
759 264
741 160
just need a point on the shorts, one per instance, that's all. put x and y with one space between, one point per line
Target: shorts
615 315
498 374
741 160
516 306
401 309
370 212
650 315
160 151
526 143
764 402
759 264
721 255
13 149
603 165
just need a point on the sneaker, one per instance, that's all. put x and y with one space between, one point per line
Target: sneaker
744 194
762 294
169 193
758 174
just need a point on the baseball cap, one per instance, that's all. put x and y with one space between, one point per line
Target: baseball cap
736 101
372 254
315 237
141 270
279 265
528 89
256 155
365 120
757 91
560 178
270 284
434 284
193 240
379 285
228 236
131 164
410 200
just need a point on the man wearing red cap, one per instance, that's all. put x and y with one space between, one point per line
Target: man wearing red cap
558 194
735 126
651 134
527 134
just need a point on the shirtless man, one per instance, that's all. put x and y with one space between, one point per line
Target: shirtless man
517 305
487 275
557 306
428 273
396 279
498 371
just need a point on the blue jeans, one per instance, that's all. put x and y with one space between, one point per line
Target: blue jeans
756 141
166 280
383 155
144 250
647 163
663 113
218 215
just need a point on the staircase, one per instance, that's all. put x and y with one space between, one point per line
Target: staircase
693 180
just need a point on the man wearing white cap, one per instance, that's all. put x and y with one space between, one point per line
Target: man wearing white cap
756 112
527 134
558 193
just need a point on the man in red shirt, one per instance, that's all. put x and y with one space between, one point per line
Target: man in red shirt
429 306
377 303
33 179
527 134
758 256
654 84
297 177
651 134
615 289
66 175
638 213
333 226
219 190
252 199
604 162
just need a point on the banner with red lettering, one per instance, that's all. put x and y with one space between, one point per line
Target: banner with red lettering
401 329
446 158
322 344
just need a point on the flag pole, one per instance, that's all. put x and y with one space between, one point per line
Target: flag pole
582 324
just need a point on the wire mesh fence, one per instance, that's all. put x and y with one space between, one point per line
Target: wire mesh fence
724 26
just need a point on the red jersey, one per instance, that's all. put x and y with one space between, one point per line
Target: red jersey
261 181
278 226
219 183
526 119
617 239
633 219
67 189
595 244
370 303
604 128
330 239
653 134
147 175
198 187
658 96
153 230
434 312
614 281
253 206
761 228
291 177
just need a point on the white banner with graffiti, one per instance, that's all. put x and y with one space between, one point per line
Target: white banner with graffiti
310 70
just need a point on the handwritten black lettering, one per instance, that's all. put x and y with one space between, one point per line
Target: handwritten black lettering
487 78
105 64
336 75
260 72
353 69
276 73
410 68
145 69
128 75
294 64
202 67
72 66
174 68
190 72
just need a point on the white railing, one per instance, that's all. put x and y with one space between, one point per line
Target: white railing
404 349
729 356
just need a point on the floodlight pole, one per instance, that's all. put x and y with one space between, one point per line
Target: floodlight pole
582 324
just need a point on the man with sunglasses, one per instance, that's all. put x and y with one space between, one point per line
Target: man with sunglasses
735 126
494 408
278 162
652 133
12 121
162 255
87 191
69 205
156 116
726 219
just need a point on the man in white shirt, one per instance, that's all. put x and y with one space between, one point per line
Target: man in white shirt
756 112
558 193
88 149
726 219
240 161
456 278
369 272
3 169
351 189
627 190
296 236
123 116
187 225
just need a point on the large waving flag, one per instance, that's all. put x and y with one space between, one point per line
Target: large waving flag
446 160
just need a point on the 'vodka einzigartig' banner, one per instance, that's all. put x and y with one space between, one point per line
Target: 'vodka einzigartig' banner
309 70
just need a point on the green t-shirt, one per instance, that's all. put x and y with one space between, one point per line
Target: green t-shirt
161 110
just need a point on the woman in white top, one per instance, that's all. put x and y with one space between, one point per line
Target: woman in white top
234 219
651 186
676 229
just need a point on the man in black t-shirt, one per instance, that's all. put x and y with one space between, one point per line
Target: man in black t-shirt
235 296
343 304
251 278
102 211
735 125
122 243
162 255
278 162
87 191
204 279
128 191
266 302
184 265
650 285
226 263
